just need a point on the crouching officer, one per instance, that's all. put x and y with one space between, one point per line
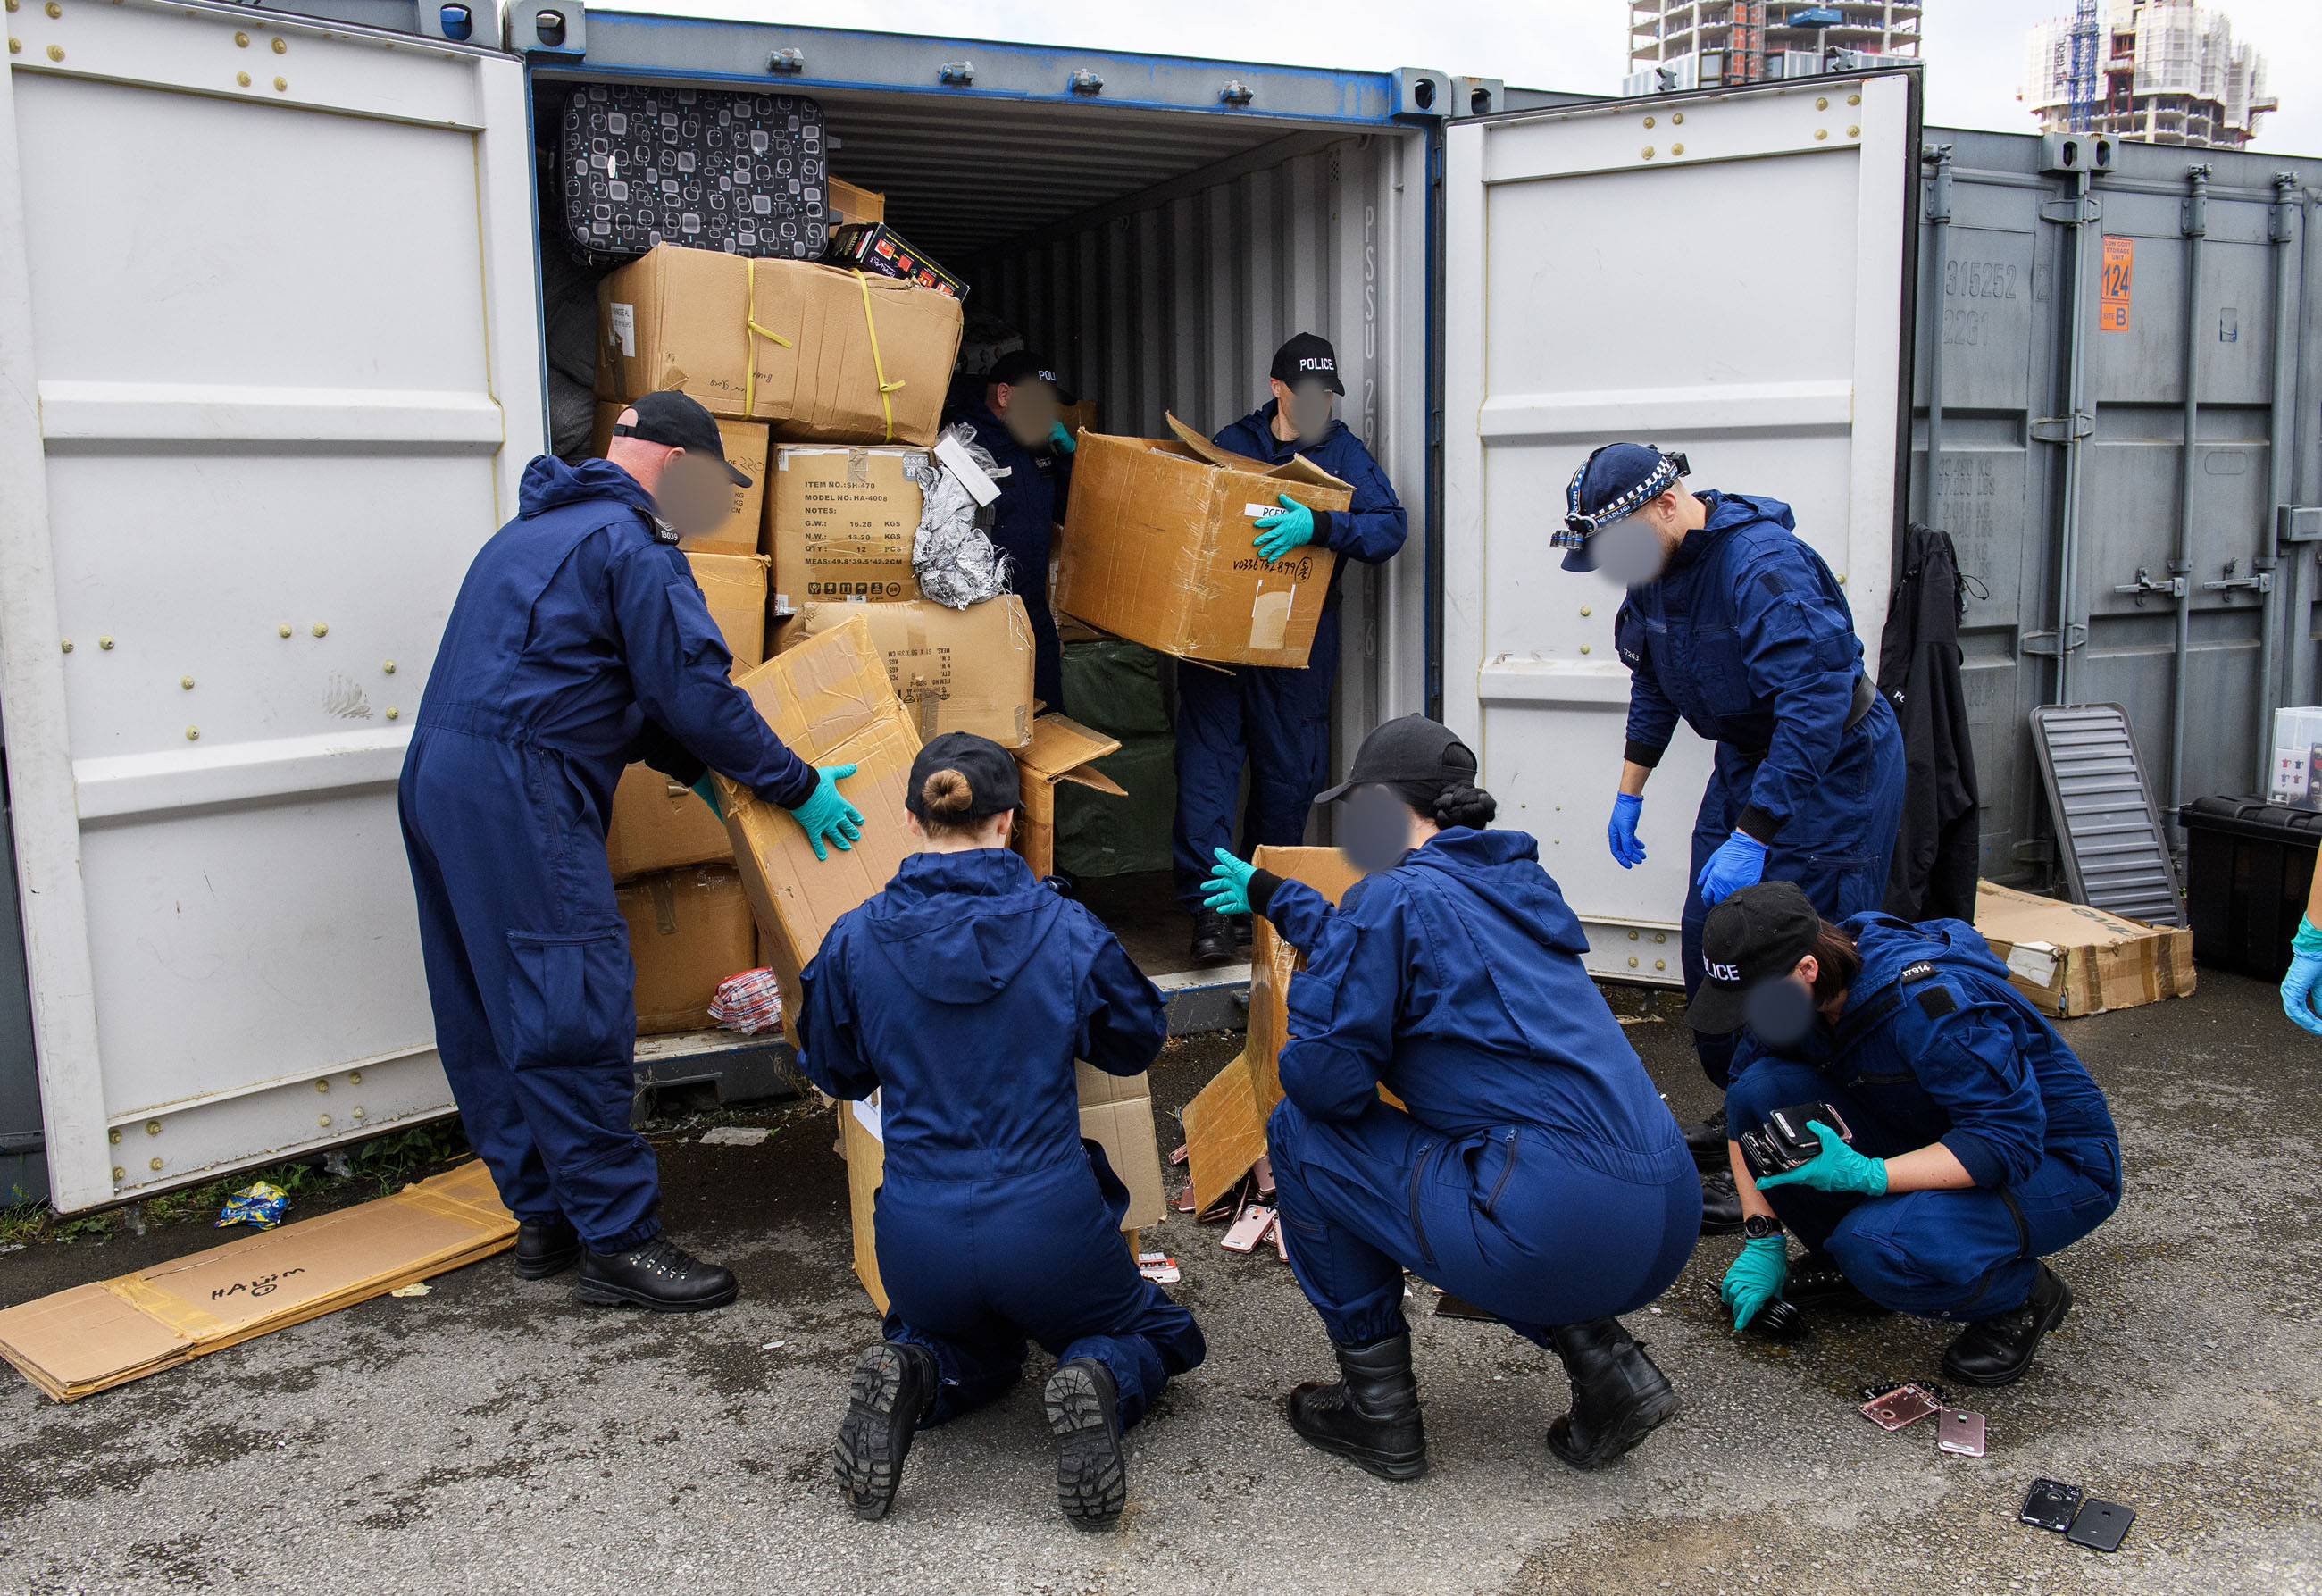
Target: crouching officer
962 994
1980 1145
578 642
1733 624
1016 421
1532 1170
1277 720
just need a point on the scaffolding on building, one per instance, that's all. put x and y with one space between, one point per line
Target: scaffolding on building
1681 44
2157 71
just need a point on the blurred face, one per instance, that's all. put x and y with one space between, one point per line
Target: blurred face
694 494
1027 409
1636 549
1305 407
1378 828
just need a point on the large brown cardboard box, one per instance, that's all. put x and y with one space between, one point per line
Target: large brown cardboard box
956 670
658 824
840 524
828 700
2072 960
746 446
825 355
1061 750
735 588
1157 548
848 205
689 929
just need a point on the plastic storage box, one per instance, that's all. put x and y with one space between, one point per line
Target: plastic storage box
2249 865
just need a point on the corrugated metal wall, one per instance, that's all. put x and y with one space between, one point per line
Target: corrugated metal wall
2001 298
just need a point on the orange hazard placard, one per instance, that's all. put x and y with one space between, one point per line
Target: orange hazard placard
2119 270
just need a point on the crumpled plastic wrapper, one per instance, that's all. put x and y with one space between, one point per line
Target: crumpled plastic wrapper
952 556
260 1203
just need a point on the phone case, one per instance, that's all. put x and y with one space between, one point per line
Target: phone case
1248 1230
2051 1504
2100 1526
1904 1405
1959 1433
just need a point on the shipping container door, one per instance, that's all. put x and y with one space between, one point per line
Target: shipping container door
1727 275
268 373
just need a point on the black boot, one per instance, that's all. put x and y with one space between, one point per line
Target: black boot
1213 938
545 1247
1721 1204
892 1389
1707 1143
1083 1408
660 1274
1815 1280
1371 1413
1997 1351
1618 1396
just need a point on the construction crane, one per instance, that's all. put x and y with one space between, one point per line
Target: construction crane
2081 84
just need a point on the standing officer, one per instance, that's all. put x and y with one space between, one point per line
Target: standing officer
1733 624
580 643
1276 719
1016 421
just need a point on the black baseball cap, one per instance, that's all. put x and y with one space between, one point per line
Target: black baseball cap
1755 936
1308 356
679 421
1021 366
1411 749
990 770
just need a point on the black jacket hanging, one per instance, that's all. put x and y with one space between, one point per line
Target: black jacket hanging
1934 872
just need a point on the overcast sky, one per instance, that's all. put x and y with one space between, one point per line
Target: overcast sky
1974 48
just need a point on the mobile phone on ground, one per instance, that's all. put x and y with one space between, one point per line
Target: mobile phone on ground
1248 1230
2050 1504
2100 1526
1959 1433
1905 1404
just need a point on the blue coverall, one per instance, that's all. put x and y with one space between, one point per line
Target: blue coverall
1024 519
580 643
1748 637
1536 1173
1277 718
962 994
1934 1045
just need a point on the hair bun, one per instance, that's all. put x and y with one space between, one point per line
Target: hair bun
946 795
1463 803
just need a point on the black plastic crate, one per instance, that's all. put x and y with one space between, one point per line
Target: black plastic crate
2249 865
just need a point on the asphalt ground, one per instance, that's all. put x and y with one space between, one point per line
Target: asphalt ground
496 1436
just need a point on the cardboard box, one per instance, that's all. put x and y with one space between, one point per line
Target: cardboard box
2072 960
828 700
844 203
689 929
874 246
735 588
956 670
840 524
658 824
1060 749
824 355
1157 547
747 446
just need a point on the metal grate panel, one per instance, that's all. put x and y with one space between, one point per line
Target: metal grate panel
2108 832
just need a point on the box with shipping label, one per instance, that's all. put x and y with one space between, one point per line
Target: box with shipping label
2072 960
734 585
841 523
845 204
746 446
829 701
824 355
1157 548
658 824
956 670
874 246
689 929
1061 750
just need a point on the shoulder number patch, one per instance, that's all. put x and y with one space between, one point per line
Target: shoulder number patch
1936 1002
1920 971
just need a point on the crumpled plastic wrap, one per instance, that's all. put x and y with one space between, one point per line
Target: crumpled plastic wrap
952 555
260 1203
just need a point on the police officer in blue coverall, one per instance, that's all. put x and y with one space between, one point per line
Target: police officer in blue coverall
1980 1145
1533 1170
579 644
1734 625
1016 421
962 994
1278 720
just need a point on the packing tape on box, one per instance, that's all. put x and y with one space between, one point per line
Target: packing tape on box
750 350
878 365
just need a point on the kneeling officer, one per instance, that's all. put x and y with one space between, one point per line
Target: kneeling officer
1980 1145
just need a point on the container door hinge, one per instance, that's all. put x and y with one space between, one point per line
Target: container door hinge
2045 642
2073 213
2063 429
2172 586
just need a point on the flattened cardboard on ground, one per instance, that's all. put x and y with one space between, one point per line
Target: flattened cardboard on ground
659 824
827 356
106 1334
689 929
841 523
746 446
1157 548
2072 960
955 670
734 585
1061 750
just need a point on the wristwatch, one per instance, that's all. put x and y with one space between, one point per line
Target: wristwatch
1759 1225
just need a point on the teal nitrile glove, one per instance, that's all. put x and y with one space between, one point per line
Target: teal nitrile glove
1283 530
1621 831
1836 1168
1740 861
826 814
1227 891
1755 1277
707 791
1061 438
2304 973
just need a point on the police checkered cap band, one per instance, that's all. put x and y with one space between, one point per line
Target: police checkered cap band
1579 528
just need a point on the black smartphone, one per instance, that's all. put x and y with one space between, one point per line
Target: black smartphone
2051 1504
2101 1524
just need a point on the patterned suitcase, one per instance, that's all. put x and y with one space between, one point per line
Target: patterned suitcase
711 171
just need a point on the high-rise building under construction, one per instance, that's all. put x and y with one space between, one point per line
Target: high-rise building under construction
2159 72
1679 44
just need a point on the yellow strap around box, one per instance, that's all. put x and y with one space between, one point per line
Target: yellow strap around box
749 349
878 365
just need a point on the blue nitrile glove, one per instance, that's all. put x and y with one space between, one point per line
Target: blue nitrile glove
1227 891
1836 1168
1059 437
1755 1277
707 791
1738 862
1283 530
826 814
2305 971
1620 832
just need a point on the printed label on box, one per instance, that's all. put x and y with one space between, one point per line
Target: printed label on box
623 326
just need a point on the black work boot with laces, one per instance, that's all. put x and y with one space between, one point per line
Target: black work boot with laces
1370 1414
1619 1397
659 1274
1706 1143
1083 1405
1997 1351
545 1246
1721 1203
1213 938
892 1389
